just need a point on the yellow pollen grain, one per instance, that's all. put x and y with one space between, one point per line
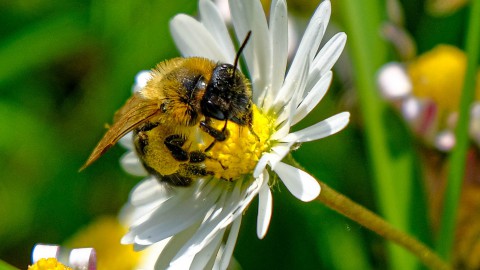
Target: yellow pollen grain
240 152
48 264
438 75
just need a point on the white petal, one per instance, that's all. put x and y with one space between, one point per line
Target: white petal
131 164
312 98
301 184
176 214
247 16
236 202
141 80
284 127
291 88
327 57
317 26
445 140
213 21
279 151
81 258
150 256
41 251
262 163
308 46
230 243
150 190
279 33
320 130
129 215
145 198
412 108
172 248
127 141
193 39
393 81
155 229
286 107
207 255
265 203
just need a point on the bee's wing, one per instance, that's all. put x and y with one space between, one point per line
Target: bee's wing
136 111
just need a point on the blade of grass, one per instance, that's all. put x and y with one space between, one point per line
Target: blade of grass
457 159
392 166
5 266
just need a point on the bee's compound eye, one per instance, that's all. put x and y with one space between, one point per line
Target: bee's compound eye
212 110
201 84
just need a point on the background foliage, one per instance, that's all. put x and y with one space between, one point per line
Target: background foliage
67 66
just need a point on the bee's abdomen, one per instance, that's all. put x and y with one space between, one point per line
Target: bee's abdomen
166 154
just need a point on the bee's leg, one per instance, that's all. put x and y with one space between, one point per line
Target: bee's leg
246 120
141 137
174 143
218 135
200 156
188 171
197 156
141 142
194 170
174 179
250 127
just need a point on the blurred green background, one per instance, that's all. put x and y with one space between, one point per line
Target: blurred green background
65 67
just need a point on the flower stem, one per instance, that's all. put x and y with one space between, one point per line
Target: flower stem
370 220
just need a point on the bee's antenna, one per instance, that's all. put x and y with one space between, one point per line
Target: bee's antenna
239 52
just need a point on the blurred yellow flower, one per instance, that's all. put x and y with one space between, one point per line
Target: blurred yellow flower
104 236
438 75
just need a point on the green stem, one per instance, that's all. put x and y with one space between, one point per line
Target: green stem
458 157
375 223
370 220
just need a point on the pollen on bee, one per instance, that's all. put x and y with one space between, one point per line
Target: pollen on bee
240 152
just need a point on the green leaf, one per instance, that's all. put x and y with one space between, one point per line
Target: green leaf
41 43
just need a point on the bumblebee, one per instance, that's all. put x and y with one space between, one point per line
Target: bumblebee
176 110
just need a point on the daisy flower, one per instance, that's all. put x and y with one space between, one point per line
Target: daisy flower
199 224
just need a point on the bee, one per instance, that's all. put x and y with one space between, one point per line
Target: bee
175 108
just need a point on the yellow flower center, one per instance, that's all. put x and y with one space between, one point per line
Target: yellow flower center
48 264
438 75
240 152
104 235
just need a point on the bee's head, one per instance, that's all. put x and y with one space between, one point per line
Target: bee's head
228 95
